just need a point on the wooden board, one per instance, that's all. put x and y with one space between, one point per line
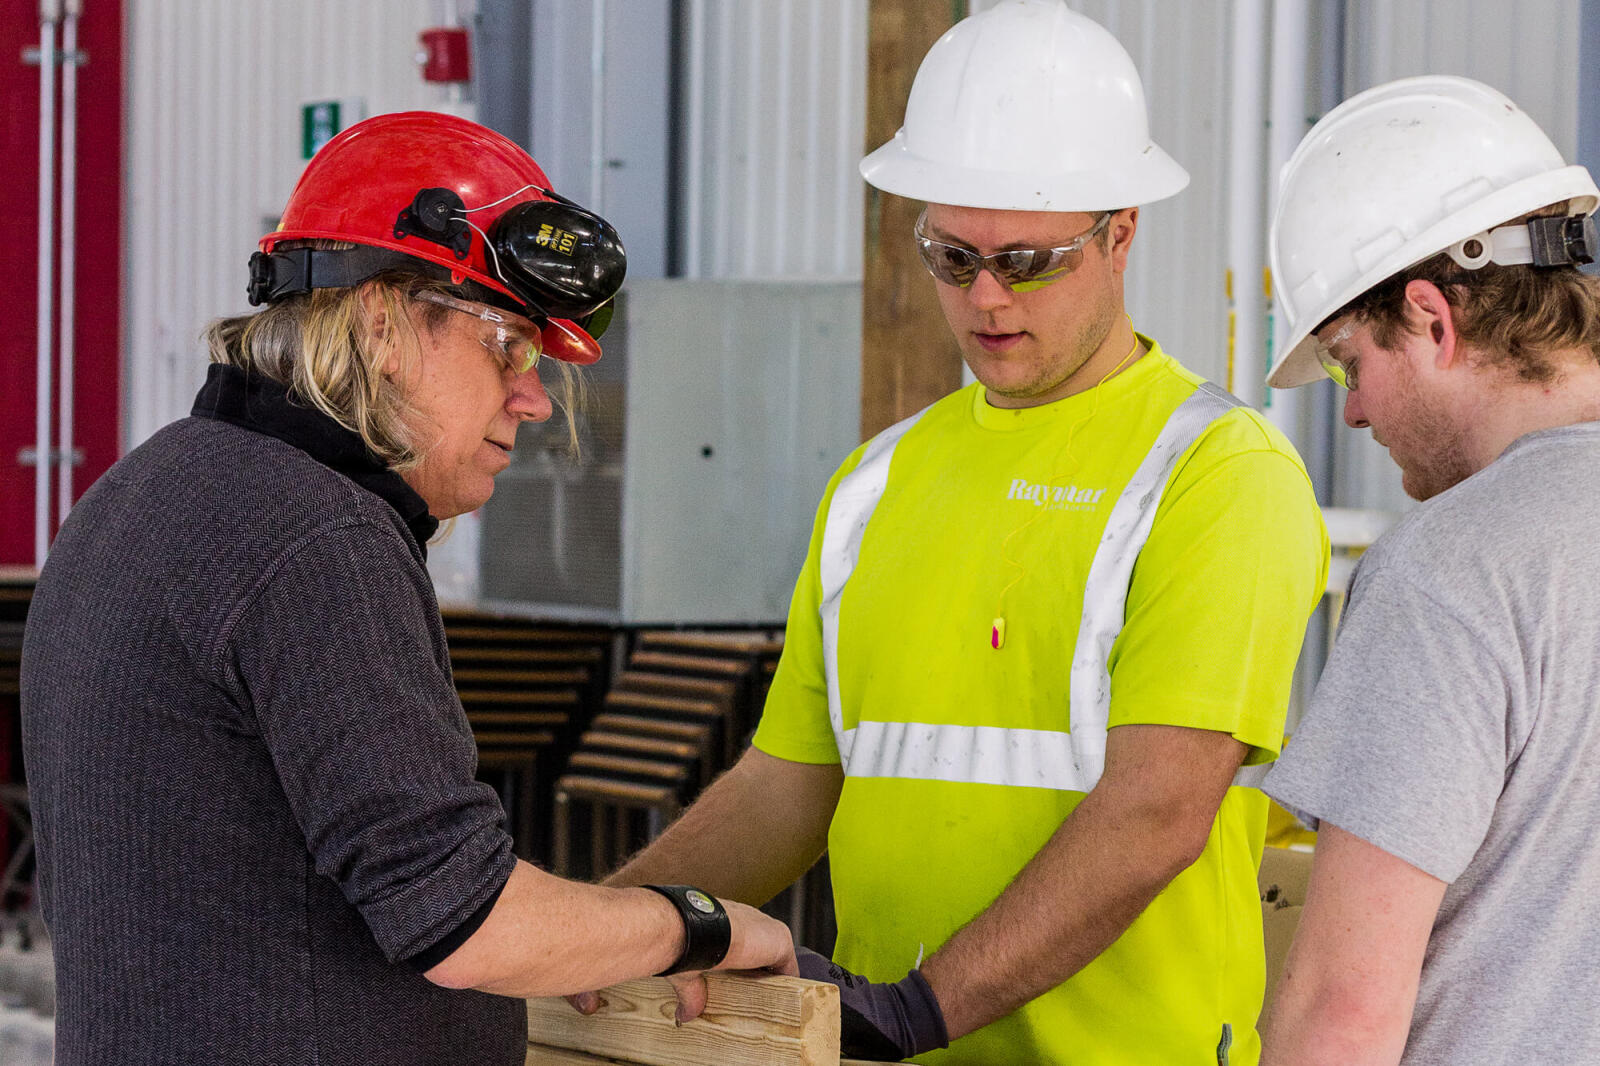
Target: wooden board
748 1021
540 1055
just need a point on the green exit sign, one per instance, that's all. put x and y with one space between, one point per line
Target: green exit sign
320 120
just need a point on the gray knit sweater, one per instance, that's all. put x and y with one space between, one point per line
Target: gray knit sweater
251 779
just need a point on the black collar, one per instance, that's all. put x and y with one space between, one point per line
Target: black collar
256 402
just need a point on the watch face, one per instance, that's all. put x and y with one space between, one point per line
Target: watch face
700 901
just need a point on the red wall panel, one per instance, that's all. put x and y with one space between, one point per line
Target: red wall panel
98 258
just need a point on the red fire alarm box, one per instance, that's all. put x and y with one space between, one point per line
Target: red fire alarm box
445 54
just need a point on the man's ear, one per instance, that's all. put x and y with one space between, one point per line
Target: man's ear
381 332
1123 225
1429 315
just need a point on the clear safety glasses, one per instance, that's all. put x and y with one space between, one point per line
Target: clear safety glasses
1342 371
517 346
1018 269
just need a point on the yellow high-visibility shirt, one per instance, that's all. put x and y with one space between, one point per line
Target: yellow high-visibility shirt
990 514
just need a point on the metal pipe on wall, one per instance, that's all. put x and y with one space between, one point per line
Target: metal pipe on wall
847 131
597 105
751 74
65 458
1247 108
811 127
49 15
1322 456
778 249
694 179
1291 37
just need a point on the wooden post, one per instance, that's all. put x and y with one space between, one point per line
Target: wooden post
908 358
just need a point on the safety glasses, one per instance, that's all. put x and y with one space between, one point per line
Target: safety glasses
1343 373
518 348
1018 269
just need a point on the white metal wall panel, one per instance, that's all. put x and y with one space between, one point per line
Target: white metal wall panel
742 399
607 149
775 124
213 130
1527 50
771 122
1175 284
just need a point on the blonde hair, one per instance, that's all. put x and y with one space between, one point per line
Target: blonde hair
319 345
1513 317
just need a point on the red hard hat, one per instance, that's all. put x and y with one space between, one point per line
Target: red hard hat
452 200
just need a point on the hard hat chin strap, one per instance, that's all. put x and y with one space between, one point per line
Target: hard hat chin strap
280 274
1557 241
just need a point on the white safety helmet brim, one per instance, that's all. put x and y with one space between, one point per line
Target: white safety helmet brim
1150 176
1299 364
1393 176
1027 106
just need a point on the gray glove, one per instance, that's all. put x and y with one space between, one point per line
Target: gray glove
887 1022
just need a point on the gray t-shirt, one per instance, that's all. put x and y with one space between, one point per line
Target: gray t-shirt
1457 727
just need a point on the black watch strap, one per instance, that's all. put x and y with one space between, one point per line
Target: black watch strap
706 929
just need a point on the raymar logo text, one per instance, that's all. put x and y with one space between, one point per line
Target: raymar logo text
1055 497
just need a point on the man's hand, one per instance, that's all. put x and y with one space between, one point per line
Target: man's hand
888 1022
757 942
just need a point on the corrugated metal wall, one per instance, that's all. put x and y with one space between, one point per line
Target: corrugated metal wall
1527 50
213 134
770 121
1175 285
775 114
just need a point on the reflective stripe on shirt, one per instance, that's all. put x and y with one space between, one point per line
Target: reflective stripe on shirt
1028 758
854 500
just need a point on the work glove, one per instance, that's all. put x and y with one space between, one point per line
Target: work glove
887 1022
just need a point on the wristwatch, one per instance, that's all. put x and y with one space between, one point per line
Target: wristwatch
706 929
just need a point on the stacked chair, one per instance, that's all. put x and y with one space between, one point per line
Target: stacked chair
598 738
679 712
529 689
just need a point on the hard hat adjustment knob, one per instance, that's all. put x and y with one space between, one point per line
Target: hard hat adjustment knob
436 215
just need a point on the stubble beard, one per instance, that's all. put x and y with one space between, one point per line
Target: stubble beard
1436 447
1079 349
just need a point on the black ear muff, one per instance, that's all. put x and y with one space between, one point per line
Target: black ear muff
436 215
563 259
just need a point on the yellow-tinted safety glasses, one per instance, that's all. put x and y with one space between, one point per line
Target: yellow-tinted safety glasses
1343 373
1018 269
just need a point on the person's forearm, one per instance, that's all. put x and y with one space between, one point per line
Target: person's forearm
1316 1027
1098 872
750 835
551 937
1349 985
546 937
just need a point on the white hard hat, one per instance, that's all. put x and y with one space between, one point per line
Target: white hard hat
1392 176
1028 106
